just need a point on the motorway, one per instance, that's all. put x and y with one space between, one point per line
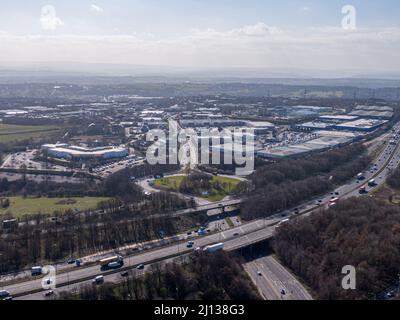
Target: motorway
86 273
271 278
234 238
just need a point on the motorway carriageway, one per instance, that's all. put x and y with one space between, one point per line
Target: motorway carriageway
234 238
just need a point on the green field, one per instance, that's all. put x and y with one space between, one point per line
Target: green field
172 183
21 206
12 133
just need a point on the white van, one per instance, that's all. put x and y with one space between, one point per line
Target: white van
98 280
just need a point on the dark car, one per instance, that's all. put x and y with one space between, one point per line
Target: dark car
48 293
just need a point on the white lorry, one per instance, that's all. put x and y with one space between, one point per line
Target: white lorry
214 247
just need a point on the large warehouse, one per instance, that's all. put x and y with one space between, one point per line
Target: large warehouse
65 151
365 125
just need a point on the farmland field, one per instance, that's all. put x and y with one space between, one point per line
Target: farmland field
11 132
20 206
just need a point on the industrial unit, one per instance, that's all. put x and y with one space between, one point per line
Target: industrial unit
320 144
373 112
65 151
365 125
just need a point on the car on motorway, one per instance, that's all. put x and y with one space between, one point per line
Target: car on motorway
114 265
36 271
362 190
98 280
4 294
190 244
282 222
48 293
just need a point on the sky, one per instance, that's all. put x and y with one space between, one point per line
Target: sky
204 34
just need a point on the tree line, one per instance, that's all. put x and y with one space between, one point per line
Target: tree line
217 276
394 179
363 233
40 239
282 185
120 184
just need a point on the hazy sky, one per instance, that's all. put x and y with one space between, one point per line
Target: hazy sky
203 33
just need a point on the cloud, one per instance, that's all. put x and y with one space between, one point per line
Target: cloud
48 19
95 8
258 29
254 46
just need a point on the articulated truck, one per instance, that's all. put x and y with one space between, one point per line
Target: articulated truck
114 262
